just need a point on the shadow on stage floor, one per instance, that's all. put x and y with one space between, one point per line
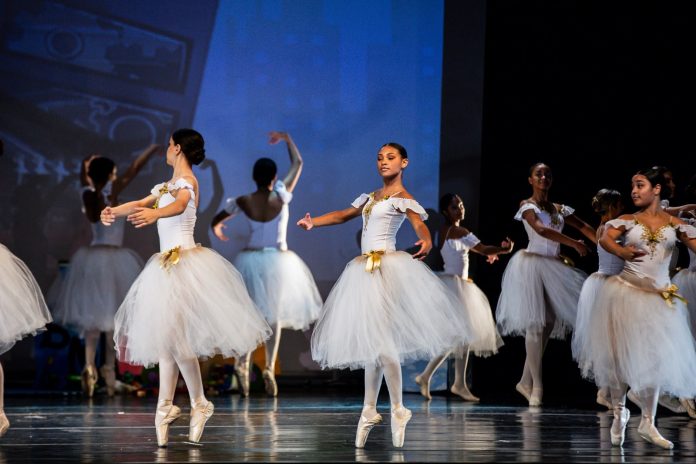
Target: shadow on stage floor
320 427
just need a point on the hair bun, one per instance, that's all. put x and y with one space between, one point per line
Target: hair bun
197 156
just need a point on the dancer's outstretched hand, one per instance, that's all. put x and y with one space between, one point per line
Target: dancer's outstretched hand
107 217
218 231
490 259
306 222
142 217
425 247
507 244
581 248
275 137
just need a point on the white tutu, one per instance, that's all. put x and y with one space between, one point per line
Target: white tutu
686 281
400 311
96 283
529 282
22 307
475 307
582 335
281 285
633 336
196 307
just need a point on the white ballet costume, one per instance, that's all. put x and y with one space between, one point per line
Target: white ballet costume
686 281
188 301
638 334
279 282
98 279
536 281
385 308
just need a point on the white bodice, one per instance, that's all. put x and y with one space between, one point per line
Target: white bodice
659 245
609 263
692 255
538 244
455 254
108 235
269 234
176 230
382 219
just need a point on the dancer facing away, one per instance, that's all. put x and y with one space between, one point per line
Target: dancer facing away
100 274
279 282
23 310
189 301
639 335
455 243
386 306
609 205
540 293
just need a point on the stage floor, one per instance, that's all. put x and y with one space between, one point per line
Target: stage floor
321 428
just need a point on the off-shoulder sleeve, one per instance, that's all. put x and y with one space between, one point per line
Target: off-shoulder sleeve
470 240
566 210
526 207
183 184
156 189
404 204
231 207
282 191
627 224
687 229
358 202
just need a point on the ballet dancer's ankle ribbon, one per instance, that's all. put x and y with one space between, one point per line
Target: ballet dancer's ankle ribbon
670 293
169 258
374 260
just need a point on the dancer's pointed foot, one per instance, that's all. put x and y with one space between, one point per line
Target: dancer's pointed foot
672 403
524 390
688 404
649 433
4 423
364 426
242 373
89 380
602 399
200 413
165 415
399 418
463 392
269 381
535 397
631 395
108 373
424 386
618 426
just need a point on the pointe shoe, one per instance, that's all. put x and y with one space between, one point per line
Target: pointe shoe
672 403
270 382
108 373
89 380
634 398
618 426
199 416
649 433
4 423
243 379
424 387
364 427
464 393
399 418
165 415
602 400
535 397
690 407
524 391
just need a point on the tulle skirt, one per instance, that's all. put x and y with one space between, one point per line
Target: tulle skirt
686 281
400 311
532 285
477 310
196 307
633 336
282 286
582 335
95 285
22 307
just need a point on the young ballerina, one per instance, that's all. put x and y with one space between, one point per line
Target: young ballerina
100 274
638 332
188 302
609 205
386 306
23 311
455 243
279 282
539 295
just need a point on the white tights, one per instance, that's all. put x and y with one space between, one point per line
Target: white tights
535 344
460 365
91 342
390 369
271 347
2 388
169 368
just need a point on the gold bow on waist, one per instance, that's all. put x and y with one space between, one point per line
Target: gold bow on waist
374 260
170 257
670 293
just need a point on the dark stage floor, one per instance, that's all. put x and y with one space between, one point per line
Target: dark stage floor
321 428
